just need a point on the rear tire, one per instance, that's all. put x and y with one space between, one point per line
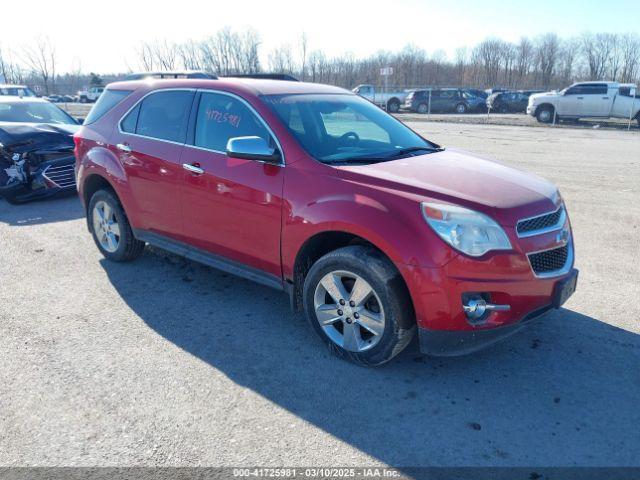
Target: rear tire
110 228
379 323
393 106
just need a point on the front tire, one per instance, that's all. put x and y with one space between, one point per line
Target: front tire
545 114
357 302
422 108
110 228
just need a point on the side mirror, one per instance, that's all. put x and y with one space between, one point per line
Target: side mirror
80 120
252 148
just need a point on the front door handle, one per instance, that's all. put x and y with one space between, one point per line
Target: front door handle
193 168
605 98
123 147
580 98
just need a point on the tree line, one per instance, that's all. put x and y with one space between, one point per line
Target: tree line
546 61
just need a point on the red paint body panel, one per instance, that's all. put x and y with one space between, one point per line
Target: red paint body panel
234 209
261 215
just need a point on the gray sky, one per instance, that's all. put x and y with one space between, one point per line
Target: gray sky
102 36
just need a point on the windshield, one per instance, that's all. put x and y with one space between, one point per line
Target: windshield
17 91
33 112
346 128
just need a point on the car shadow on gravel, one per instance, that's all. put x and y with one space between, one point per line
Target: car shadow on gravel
562 392
60 208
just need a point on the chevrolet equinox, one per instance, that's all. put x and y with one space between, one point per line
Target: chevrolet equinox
374 232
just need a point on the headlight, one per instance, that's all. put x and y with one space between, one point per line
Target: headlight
465 230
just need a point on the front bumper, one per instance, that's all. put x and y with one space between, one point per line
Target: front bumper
438 296
448 343
531 110
48 179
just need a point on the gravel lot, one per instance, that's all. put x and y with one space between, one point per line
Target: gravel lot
165 362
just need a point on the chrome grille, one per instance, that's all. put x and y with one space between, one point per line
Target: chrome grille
541 223
62 175
549 261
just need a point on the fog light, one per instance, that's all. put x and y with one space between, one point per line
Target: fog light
476 307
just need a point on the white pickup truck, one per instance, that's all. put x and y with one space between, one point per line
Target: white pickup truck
390 101
89 95
587 100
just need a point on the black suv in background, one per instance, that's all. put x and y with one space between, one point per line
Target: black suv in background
515 102
457 100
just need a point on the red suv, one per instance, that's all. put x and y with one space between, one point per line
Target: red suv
374 231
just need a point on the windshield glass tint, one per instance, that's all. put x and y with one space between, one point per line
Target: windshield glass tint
346 127
32 112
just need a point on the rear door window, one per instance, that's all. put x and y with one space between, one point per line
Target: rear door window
164 115
596 89
108 100
130 122
221 117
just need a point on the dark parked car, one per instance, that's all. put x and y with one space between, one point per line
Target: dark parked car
510 101
476 92
443 100
36 149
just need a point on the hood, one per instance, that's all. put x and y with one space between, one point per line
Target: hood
553 94
30 136
458 177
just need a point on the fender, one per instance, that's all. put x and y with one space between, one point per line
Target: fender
103 162
406 241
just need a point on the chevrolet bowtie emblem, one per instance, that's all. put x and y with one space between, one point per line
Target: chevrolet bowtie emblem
563 236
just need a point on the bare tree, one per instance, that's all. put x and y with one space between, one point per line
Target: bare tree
281 59
525 54
461 64
547 50
303 55
146 57
41 59
630 53
189 54
488 54
597 50
249 54
566 60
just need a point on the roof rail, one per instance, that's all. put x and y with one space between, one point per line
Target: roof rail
266 76
176 74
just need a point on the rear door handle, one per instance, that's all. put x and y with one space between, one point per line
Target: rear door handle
123 147
193 168
605 98
580 98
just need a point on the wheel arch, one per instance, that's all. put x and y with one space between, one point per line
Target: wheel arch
318 245
90 185
548 105
393 100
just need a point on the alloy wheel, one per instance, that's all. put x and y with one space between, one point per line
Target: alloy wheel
545 116
349 311
105 226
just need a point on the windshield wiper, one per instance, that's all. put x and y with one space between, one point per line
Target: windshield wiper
385 158
405 151
350 160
